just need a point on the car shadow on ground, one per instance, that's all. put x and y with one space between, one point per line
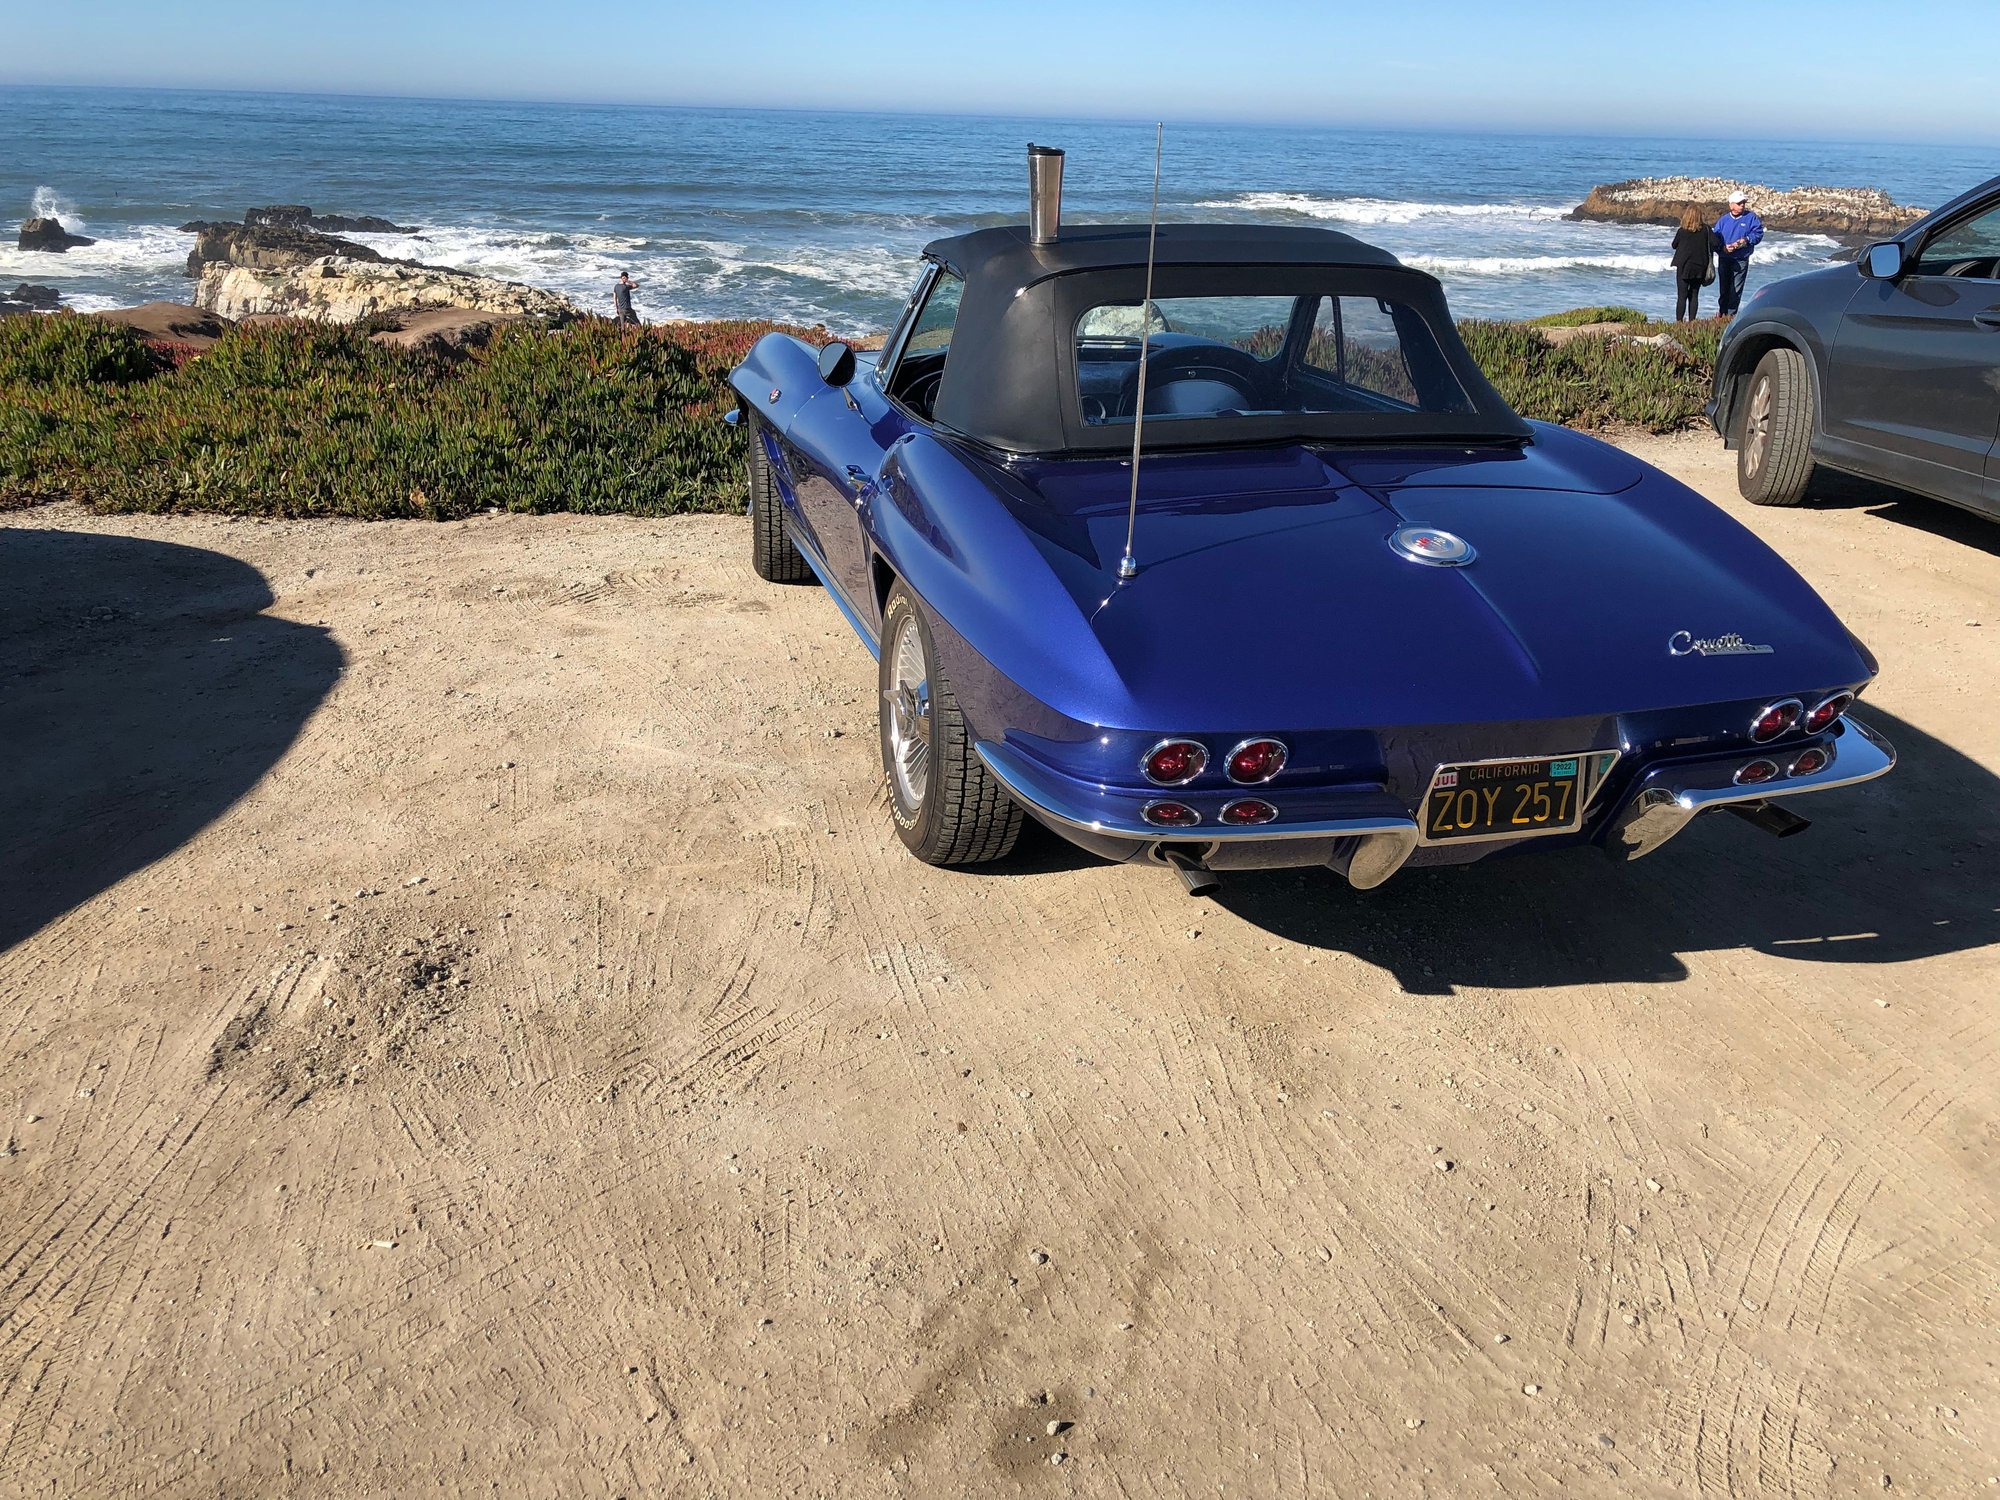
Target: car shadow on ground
1896 869
1831 491
142 693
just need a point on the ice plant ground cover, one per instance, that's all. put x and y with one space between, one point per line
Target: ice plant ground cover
301 419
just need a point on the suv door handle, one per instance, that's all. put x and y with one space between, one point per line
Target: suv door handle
1988 319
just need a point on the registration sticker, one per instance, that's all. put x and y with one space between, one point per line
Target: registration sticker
1562 768
1447 778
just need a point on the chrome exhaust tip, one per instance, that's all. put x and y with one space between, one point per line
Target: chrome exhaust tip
1198 878
1045 174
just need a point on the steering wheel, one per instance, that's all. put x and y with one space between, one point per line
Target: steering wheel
1236 368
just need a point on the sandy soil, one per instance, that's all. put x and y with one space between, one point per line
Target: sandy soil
468 1028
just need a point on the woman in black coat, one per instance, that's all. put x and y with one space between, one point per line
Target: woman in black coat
1694 260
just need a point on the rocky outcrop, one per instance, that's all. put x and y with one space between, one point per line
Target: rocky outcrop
48 234
267 247
29 298
1848 214
299 216
168 322
346 289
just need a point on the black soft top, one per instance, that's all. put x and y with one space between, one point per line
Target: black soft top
1010 380
1014 261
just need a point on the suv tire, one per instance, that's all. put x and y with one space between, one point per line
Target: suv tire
1774 464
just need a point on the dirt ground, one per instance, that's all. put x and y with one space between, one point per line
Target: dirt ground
466 1027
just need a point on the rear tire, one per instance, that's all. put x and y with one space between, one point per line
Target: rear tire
773 556
1774 464
949 809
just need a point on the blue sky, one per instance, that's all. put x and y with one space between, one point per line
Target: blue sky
1847 69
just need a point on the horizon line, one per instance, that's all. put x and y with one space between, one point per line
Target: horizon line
1224 121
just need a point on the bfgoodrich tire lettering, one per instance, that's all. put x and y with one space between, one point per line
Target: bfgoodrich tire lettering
948 808
1774 459
772 555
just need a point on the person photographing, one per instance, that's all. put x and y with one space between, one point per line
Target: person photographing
1738 233
621 297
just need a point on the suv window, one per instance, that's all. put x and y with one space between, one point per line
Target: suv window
1971 247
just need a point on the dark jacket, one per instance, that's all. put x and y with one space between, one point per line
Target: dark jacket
1692 249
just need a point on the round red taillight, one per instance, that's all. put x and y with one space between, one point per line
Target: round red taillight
1256 760
1246 811
1775 719
1170 814
1827 710
1757 772
1174 762
1812 758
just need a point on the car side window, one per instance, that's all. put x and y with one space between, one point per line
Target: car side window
1971 247
932 331
921 363
1355 341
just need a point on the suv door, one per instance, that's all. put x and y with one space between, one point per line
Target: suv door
1915 370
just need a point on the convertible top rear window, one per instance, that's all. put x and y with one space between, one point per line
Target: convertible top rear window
1266 355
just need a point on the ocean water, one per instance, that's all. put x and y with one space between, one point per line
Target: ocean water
817 217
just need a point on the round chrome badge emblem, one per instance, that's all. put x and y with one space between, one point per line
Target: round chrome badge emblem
1426 544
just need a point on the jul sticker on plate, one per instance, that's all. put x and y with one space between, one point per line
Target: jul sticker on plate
1447 778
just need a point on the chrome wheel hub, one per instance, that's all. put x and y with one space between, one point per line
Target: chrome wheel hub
1757 428
907 702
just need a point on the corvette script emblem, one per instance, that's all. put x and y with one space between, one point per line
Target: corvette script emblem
1686 643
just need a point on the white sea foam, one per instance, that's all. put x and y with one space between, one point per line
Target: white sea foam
696 275
1378 210
1533 265
144 252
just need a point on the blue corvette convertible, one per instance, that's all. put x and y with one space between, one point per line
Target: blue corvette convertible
1355 612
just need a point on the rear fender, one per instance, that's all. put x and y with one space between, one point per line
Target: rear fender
1014 642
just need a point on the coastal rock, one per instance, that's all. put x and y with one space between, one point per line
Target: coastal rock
27 298
48 234
345 289
299 216
1851 214
267 247
168 322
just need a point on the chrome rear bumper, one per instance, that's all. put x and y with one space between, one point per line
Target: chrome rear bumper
1368 839
1668 798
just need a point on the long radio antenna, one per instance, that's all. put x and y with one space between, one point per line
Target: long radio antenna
1128 565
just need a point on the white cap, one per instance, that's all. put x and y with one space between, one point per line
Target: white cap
1739 197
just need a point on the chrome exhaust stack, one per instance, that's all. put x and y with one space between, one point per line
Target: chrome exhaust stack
1045 173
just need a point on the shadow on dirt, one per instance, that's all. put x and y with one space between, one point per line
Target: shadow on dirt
1831 491
1900 868
142 693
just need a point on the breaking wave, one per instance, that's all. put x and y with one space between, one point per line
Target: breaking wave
1377 210
47 203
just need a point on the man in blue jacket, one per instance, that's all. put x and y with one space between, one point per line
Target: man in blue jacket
1737 233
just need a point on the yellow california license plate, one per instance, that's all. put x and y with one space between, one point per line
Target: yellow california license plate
1504 798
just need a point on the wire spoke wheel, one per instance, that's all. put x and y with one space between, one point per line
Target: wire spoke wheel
909 708
949 809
